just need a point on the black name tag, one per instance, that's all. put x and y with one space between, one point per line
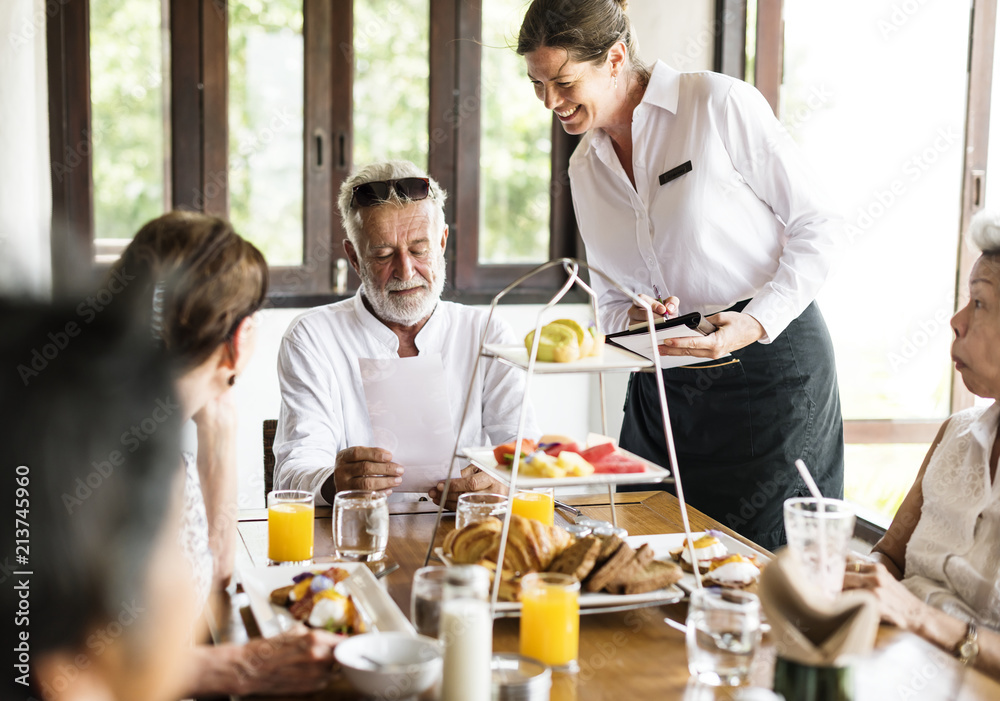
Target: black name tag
675 173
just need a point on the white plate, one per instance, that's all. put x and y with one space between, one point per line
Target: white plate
482 458
375 604
612 358
663 543
598 602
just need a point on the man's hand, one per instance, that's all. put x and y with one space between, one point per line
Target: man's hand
661 307
472 480
734 331
370 469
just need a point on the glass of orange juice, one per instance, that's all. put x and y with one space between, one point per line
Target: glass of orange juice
550 619
538 504
290 526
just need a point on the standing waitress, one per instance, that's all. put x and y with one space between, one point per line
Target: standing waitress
686 185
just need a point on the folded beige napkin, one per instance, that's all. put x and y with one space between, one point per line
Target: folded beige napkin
808 628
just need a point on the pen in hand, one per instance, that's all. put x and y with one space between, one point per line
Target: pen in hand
662 300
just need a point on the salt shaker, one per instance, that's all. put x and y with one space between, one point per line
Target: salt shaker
466 634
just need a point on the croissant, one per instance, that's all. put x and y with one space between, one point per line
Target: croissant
468 545
531 545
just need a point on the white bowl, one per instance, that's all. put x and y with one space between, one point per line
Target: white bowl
413 663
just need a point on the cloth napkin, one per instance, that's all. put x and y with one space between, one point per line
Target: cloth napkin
807 627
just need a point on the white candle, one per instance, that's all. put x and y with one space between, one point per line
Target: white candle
467 635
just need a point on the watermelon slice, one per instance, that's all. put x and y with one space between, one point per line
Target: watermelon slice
597 452
618 464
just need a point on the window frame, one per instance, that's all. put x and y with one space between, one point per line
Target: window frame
197 165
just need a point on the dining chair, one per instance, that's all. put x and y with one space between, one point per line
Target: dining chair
270 427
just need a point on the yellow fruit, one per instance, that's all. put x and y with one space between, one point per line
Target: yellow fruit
585 339
574 464
558 343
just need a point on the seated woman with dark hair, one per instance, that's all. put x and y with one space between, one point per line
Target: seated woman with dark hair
937 569
196 285
101 606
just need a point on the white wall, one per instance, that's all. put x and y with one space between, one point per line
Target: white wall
25 196
680 32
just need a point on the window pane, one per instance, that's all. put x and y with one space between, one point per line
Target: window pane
127 118
882 118
266 58
515 160
881 490
993 158
391 80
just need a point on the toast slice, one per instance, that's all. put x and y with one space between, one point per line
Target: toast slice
611 569
609 546
643 556
578 559
655 575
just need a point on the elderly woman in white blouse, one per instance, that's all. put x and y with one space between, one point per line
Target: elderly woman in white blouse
936 569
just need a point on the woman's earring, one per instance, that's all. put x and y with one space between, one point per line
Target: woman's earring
232 379
615 76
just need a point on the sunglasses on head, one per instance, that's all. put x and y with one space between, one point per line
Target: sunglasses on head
378 192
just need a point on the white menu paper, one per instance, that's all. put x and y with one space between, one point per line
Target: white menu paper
411 418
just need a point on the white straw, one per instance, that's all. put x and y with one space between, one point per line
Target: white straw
808 478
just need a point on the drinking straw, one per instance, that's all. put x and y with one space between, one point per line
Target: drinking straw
814 490
810 482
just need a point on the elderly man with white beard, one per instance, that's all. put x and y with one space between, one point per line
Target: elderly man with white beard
394 217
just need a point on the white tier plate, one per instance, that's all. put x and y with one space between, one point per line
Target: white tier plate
482 457
612 358
598 602
663 543
377 607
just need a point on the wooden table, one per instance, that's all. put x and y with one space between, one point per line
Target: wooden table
634 654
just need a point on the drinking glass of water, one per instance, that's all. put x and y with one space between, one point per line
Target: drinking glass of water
723 634
360 525
477 506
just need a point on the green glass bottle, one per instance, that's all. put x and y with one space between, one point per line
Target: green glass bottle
799 682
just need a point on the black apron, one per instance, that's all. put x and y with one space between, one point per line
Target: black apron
740 423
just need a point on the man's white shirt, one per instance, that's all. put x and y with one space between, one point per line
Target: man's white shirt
323 408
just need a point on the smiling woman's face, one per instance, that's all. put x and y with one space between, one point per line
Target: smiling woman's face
976 348
581 95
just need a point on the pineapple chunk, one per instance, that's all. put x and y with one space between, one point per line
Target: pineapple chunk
574 465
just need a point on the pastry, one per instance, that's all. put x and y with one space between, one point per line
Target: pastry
734 572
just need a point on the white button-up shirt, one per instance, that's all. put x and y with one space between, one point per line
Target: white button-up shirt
747 221
323 408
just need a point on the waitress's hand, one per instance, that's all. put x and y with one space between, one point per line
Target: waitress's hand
735 330
666 308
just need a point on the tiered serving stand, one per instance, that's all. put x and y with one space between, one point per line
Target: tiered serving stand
614 360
